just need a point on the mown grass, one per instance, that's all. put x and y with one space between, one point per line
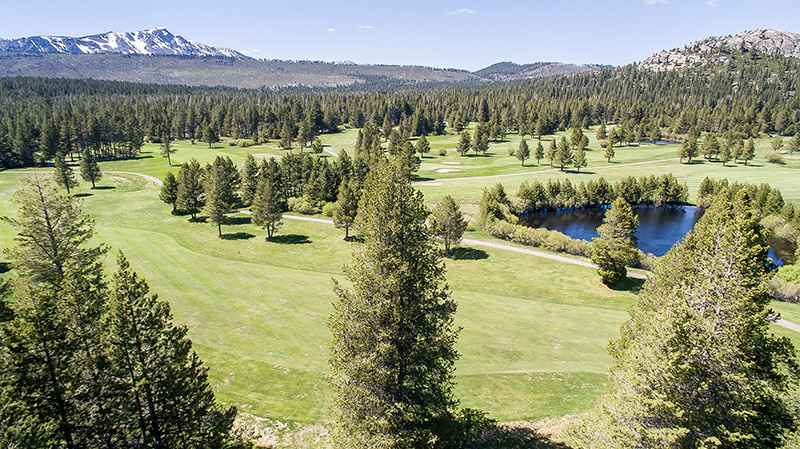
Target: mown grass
534 333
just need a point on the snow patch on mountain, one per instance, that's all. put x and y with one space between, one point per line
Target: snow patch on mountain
156 41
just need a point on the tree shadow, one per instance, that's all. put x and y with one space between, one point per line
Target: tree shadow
198 220
462 253
234 221
422 178
5 267
104 188
513 437
291 239
238 236
575 172
83 195
629 284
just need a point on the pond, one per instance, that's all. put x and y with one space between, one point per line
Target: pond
660 228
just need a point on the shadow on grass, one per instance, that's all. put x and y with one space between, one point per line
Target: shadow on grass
198 220
238 220
422 178
238 236
628 284
291 239
104 188
5 267
83 195
510 437
462 253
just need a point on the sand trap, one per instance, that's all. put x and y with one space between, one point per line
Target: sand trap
430 183
451 163
447 170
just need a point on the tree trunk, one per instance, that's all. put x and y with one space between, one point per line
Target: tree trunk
219 229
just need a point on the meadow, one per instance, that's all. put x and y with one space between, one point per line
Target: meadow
534 331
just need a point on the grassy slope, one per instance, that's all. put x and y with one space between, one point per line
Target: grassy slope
534 331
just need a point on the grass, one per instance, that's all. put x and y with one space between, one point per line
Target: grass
534 333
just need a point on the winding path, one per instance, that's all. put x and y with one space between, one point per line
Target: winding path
486 244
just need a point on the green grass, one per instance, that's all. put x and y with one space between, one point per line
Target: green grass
534 333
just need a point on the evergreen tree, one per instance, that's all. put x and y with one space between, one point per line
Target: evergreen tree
609 152
210 135
697 365
465 143
423 146
794 144
220 193
346 210
539 154
615 247
777 144
564 154
580 158
725 154
266 208
552 151
168 402
63 173
749 152
249 177
167 149
393 350
523 152
602 132
447 222
190 188
169 191
90 171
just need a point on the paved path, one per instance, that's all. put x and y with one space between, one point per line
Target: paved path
486 244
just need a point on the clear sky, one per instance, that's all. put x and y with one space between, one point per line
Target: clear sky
466 34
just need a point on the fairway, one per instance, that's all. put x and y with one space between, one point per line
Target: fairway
534 331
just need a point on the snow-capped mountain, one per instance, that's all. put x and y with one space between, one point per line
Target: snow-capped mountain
718 49
158 41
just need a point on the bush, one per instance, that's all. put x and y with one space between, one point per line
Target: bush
775 158
302 205
328 209
539 238
443 152
233 143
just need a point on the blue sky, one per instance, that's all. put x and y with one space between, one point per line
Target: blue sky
458 33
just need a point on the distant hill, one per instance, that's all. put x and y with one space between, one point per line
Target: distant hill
719 49
219 71
157 41
509 71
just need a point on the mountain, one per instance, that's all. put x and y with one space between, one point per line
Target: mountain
509 71
156 42
720 49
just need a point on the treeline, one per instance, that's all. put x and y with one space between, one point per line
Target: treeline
89 360
747 97
564 194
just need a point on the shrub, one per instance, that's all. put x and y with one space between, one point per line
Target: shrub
328 209
774 157
233 143
443 152
540 238
302 205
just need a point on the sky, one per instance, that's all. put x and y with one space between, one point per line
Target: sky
465 34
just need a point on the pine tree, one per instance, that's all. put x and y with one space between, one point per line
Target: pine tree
725 154
423 146
63 173
249 177
90 171
190 188
447 222
697 365
552 151
168 401
346 210
169 191
602 132
465 143
615 247
393 352
609 152
210 135
266 208
580 158
523 152
219 194
749 152
539 154
167 149
794 144
564 155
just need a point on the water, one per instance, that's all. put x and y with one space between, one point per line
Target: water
660 228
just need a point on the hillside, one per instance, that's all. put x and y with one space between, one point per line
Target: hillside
720 49
218 71
509 71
